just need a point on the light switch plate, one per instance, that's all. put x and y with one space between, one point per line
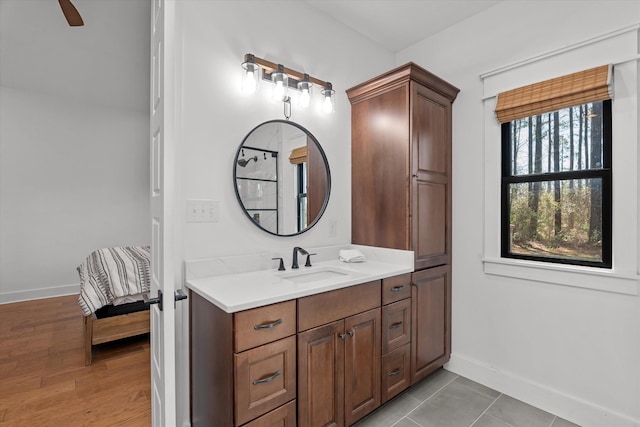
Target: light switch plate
203 210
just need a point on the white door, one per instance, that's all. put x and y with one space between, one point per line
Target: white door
163 370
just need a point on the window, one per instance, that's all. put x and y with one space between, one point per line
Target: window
556 193
556 186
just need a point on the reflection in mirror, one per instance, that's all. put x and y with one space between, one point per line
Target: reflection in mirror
282 178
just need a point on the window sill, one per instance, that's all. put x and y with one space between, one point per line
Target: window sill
566 275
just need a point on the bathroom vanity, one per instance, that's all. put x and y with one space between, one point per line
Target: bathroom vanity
317 346
327 344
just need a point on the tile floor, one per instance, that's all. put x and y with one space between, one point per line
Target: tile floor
445 399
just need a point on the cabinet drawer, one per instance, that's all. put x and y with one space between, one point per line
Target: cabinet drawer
396 325
264 324
396 372
396 288
265 378
284 416
320 309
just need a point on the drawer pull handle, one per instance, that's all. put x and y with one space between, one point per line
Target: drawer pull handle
397 288
395 325
268 325
268 379
351 333
342 336
394 372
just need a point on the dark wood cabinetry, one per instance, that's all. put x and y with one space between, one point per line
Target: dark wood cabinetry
284 416
396 325
261 368
396 371
396 335
339 362
339 371
326 359
361 365
431 320
401 163
243 365
401 194
320 376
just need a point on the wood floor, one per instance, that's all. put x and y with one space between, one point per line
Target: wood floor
43 379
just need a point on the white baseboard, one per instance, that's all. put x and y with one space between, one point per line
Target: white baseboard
571 408
31 294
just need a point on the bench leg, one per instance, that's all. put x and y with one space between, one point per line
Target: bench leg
88 337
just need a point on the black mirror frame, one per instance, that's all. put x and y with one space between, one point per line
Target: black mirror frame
324 158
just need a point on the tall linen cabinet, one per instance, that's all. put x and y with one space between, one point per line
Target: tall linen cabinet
401 193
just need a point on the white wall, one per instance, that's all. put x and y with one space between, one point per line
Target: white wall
74 156
73 179
570 350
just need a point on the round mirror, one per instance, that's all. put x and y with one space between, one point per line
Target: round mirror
282 178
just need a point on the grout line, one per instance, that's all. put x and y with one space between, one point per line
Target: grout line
500 420
412 420
485 411
422 403
479 392
406 417
437 391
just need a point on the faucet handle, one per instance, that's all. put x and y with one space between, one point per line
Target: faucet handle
281 266
308 263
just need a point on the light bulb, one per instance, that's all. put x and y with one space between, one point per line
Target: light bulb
280 82
304 86
278 91
249 83
250 75
305 98
327 105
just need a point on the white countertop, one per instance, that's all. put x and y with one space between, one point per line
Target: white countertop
239 291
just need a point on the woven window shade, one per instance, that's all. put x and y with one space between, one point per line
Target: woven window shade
574 89
298 155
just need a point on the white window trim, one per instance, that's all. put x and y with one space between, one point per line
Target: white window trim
624 276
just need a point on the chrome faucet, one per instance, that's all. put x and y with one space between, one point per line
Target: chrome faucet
295 256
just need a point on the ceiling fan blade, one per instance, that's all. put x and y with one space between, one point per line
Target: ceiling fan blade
71 13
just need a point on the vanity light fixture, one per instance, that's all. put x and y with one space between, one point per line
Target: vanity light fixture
283 78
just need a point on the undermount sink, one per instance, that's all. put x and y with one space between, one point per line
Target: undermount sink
308 276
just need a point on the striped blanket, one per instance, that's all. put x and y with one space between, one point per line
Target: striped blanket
111 273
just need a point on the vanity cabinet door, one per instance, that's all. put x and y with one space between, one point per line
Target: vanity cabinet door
339 371
362 365
321 376
431 321
431 172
